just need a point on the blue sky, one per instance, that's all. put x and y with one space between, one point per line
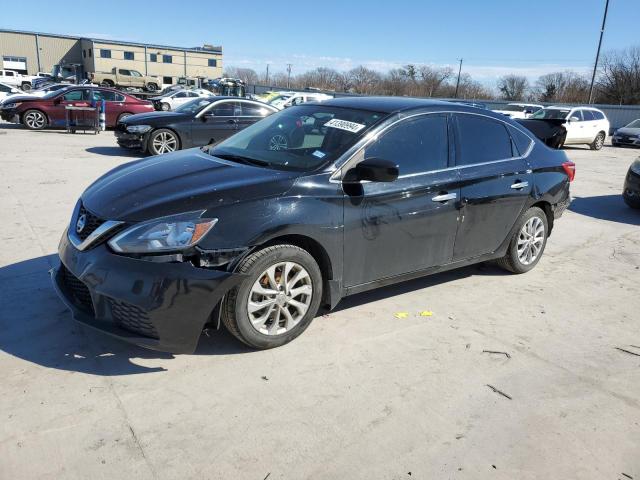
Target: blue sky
494 37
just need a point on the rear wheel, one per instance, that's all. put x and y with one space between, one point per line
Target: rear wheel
107 83
165 107
163 141
598 142
278 299
527 243
26 86
152 87
34 120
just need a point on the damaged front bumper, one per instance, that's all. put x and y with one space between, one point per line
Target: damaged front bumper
162 306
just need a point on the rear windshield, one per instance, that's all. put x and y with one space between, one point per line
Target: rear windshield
299 138
634 124
194 106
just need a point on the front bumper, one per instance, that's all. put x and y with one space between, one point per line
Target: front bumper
625 140
631 189
131 140
10 115
162 306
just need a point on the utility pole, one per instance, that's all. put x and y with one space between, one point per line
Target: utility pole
595 65
458 82
288 75
267 78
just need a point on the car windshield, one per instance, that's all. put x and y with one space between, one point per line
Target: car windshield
279 98
550 114
194 106
634 124
299 138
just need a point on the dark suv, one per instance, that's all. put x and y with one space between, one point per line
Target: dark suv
366 192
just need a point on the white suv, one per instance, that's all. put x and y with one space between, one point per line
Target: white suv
584 125
297 98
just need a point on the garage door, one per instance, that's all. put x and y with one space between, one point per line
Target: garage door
18 64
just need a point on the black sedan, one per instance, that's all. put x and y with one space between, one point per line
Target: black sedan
200 122
366 193
631 190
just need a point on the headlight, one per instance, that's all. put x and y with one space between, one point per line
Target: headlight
635 167
11 105
166 234
138 128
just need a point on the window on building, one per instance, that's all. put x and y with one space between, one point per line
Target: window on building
89 53
167 80
129 56
213 62
167 59
105 53
84 53
153 57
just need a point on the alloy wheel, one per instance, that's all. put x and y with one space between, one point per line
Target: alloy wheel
280 298
599 141
278 142
34 120
530 240
164 142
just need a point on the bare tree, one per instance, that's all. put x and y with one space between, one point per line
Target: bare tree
564 87
619 79
513 87
247 75
432 79
364 80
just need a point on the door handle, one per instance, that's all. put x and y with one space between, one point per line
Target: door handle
444 197
232 121
519 185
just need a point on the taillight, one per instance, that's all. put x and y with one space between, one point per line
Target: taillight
570 169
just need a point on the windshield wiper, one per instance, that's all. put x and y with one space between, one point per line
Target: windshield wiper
240 159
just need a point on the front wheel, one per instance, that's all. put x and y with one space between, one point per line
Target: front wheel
165 107
26 87
34 120
163 141
527 243
107 84
152 87
598 142
278 299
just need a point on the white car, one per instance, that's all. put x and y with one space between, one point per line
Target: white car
519 110
288 99
7 91
584 125
15 79
173 99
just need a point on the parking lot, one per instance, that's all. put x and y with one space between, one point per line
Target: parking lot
372 390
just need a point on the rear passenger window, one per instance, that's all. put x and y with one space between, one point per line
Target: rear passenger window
587 115
482 139
417 146
522 141
253 110
597 115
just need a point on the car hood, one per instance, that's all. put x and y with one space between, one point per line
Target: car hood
628 131
15 98
155 117
178 182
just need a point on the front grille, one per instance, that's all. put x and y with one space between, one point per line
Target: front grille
77 290
132 318
91 223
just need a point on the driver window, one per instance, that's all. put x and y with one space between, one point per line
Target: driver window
576 113
225 109
73 96
124 72
416 145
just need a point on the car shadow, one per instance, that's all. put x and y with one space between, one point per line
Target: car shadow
483 269
36 326
115 152
606 207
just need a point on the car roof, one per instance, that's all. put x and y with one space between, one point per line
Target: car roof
387 104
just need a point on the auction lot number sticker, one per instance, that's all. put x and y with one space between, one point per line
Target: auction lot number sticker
344 125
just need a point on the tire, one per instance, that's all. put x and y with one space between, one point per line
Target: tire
529 222
279 321
163 141
598 142
615 144
34 119
165 107
107 84
152 87
631 202
26 86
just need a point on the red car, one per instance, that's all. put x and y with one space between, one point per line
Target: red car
37 113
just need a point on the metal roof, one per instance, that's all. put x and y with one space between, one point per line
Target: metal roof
215 50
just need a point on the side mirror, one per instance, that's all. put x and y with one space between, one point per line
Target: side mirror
574 119
374 170
56 101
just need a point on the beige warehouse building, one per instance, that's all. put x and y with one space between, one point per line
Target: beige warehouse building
32 52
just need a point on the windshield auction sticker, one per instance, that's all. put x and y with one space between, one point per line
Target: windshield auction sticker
344 125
